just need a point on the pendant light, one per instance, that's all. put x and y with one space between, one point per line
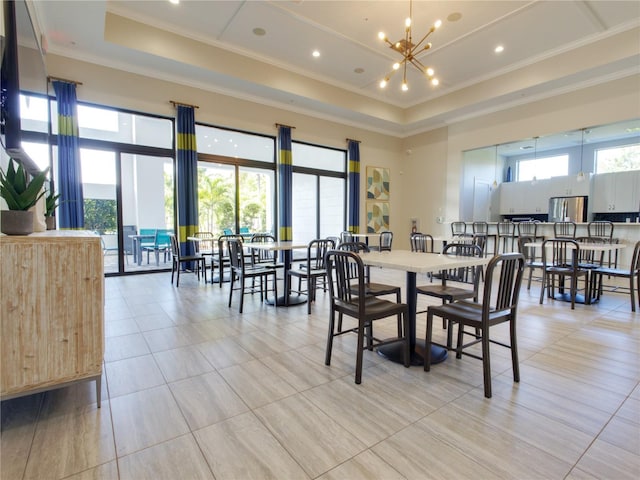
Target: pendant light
495 169
581 175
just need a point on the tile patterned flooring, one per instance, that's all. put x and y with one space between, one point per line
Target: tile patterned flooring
194 390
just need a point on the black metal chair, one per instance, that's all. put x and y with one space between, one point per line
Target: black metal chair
421 242
494 309
632 273
530 260
386 239
458 229
313 271
177 260
241 270
349 297
221 259
560 260
603 229
506 234
261 257
452 283
564 230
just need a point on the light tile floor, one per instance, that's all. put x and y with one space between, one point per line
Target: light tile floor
194 390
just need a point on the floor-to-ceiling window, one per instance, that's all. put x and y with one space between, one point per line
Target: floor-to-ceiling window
319 191
236 181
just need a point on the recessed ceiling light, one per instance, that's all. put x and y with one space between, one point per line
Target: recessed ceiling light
175 2
454 17
260 32
499 49
316 53
358 70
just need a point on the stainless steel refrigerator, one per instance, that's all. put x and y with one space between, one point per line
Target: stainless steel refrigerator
568 209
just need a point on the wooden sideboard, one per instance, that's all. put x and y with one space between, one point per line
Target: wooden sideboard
51 311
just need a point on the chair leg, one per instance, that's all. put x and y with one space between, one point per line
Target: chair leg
544 282
530 275
515 364
360 352
327 355
173 269
241 291
631 290
407 344
486 364
230 289
427 346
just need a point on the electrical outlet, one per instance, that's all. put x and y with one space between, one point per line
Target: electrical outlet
440 219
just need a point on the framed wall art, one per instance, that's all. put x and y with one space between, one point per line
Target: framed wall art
377 217
378 183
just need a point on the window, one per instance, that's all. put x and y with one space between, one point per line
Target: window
544 167
319 191
618 159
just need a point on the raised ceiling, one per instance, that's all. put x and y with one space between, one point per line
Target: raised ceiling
550 47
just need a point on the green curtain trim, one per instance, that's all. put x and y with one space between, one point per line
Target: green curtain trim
354 166
187 141
285 234
285 157
187 231
66 126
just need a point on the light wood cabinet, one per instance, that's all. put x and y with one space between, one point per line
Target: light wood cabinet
51 311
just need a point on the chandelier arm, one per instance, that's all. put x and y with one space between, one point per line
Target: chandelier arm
418 64
417 45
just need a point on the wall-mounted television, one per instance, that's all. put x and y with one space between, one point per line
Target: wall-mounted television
22 66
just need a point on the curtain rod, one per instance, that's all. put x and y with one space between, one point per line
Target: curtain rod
51 79
175 104
352 140
283 125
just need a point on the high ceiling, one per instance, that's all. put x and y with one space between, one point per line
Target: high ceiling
262 51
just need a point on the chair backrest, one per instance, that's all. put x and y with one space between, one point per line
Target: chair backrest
529 253
244 230
560 252
347 278
386 239
263 256
223 251
316 251
635 260
480 227
511 267
149 232
175 246
356 247
336 240
421 242
564 230
162 237
527 229
227 231
506 228
464 274
458 228
346 236
205 245
128 241
236 254
600 228
591 257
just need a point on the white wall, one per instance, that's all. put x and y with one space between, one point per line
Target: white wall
426 182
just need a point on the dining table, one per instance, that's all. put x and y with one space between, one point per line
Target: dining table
286 247
413 263
366 236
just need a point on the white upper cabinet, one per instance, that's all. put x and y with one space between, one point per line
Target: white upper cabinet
616 192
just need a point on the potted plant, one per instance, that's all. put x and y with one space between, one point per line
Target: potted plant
51 203
20 193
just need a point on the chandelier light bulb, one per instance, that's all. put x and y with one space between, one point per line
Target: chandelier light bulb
382 36
405 87
396 66
435 82
407 22
437 24
383 83
429 71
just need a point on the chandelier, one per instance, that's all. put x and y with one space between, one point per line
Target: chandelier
409 51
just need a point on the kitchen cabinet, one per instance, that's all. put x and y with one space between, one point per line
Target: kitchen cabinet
524 198
616 192
52 311
568 186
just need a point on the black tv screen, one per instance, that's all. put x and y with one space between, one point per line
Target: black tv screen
22 66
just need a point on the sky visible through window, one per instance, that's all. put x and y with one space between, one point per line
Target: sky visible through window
545 167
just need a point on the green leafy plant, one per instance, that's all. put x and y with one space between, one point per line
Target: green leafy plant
51 204
18 191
